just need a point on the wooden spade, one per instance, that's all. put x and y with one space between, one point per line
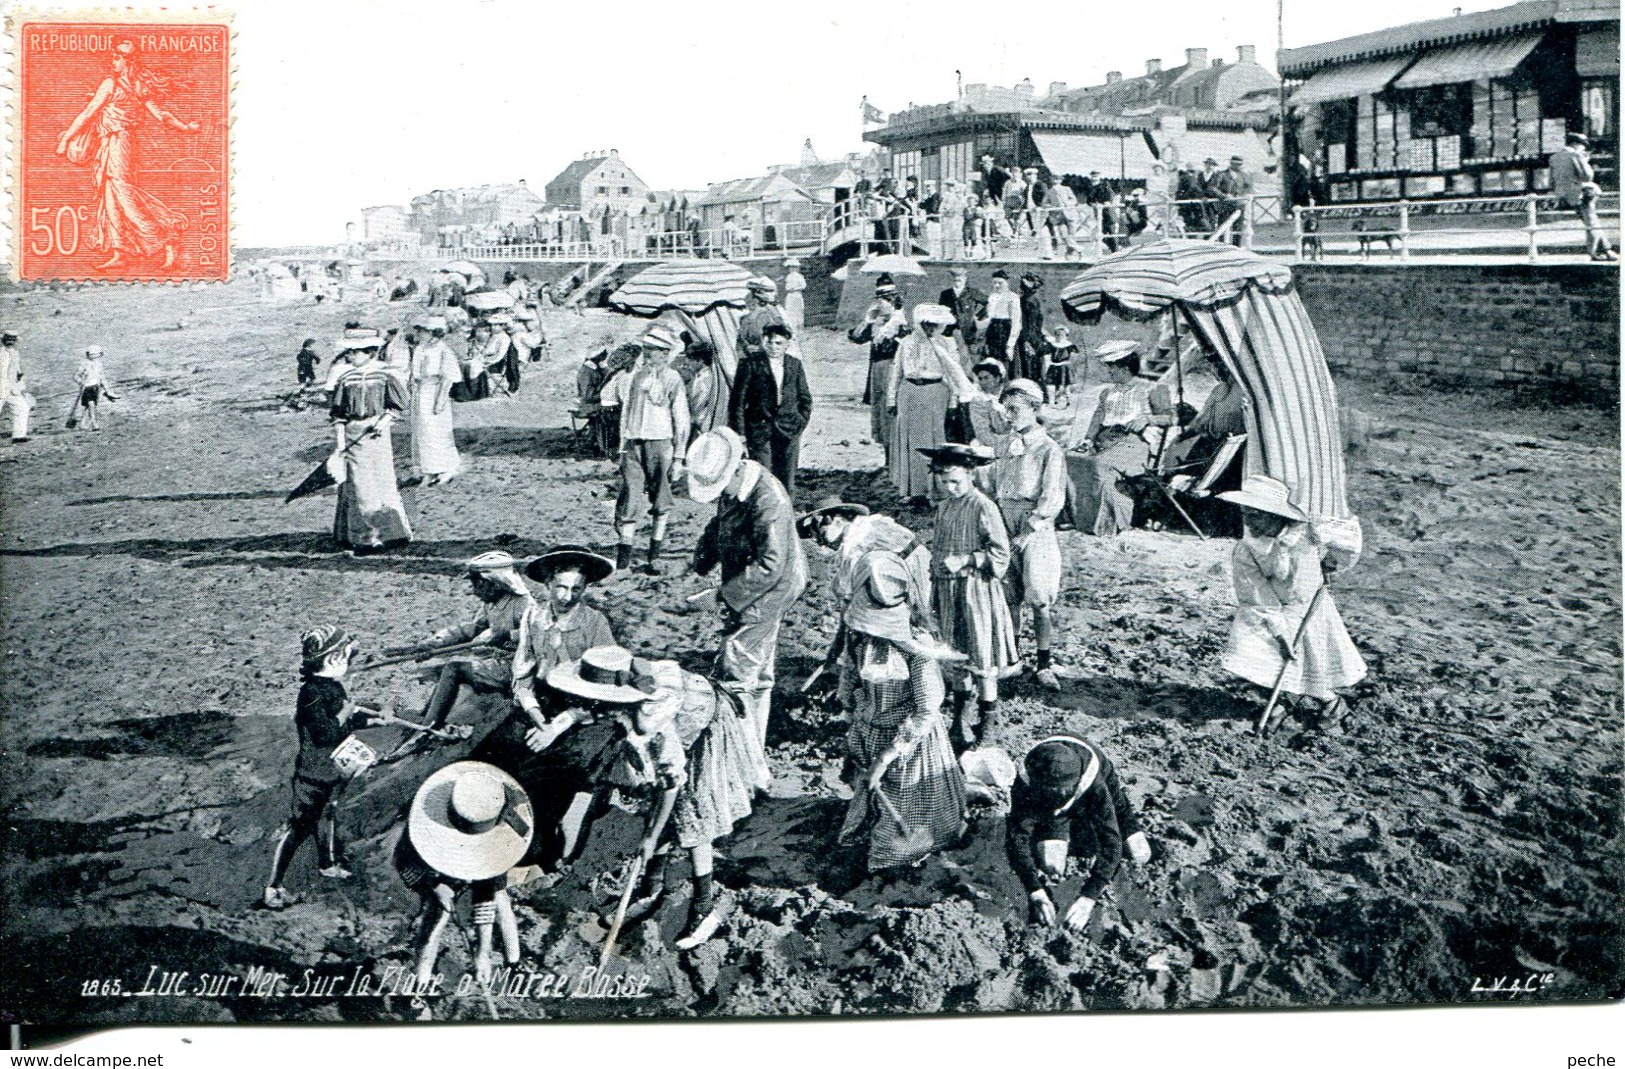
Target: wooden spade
917 841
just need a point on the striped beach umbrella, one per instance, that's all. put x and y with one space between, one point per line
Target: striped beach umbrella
690 286
1245 309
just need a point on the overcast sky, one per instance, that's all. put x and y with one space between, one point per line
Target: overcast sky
343 104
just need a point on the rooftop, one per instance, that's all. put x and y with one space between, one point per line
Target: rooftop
1533 14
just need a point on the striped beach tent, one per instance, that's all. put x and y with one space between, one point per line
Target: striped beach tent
703 297
1245 309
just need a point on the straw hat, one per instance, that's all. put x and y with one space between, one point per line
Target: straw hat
602 674
955 455
93 350
317 644
792 262
933 313
763 286
498 567
357 338
470 821
1266 495
995 367
1116 351
865 616
712 461
829 506
1026 388
594 567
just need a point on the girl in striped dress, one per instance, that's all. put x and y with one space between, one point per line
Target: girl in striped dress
911 793
367 399
970 554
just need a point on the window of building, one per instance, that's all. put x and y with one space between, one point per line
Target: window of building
603 189
1442 110
626 190
1337 134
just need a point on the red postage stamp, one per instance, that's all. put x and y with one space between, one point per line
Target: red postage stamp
120 161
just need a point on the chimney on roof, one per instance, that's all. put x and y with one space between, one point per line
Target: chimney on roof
1153 67
1113 77
1025 89
615 153
1057 88
1196 59
1246 54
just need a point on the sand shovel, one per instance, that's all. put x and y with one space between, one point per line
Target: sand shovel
633 877
1263 728
917 842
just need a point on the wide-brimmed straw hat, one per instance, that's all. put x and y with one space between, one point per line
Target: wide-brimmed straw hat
93 350
893 623
933 313
1117 351
712 461
763 286
594 567
1266 495
317 644
431 323
956 455
832 505
359 338
602 674
660 337
470 821
990 365
792 261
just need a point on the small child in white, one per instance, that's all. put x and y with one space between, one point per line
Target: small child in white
93 385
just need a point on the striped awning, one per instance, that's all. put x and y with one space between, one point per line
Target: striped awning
1113 156
1147 279
692 286
1348 80
1470 61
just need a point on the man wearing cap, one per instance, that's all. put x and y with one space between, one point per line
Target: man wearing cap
1068 802
1235 188
367 400
882 328
1028 480
505 600
1576 187
13 387
761 297
433 370
652 400
771 404
968 304
764 570
1287 632
970 557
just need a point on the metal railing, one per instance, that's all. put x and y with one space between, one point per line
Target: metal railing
1536 223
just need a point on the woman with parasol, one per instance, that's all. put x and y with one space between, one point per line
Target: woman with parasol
367 400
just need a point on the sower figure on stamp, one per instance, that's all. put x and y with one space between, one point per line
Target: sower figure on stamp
1287 634
552 632
654 419
686 754
129 220
970 557
323 717
764 570
1029 483
470 823
504 603
1068 802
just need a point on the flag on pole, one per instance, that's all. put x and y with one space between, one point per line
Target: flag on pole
871 113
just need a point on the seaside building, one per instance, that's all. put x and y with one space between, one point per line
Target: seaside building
596 182
1466 106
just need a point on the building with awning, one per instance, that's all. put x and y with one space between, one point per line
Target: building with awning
1467 106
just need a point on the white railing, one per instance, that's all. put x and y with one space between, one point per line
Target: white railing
1534 222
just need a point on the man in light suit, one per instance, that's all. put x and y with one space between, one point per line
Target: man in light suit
1576 187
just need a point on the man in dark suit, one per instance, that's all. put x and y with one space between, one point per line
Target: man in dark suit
967 303
1235 188
1189 195
771 405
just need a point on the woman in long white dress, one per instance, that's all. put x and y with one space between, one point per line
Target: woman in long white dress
795 305
434 370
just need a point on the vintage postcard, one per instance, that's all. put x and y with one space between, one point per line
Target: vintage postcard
782 518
